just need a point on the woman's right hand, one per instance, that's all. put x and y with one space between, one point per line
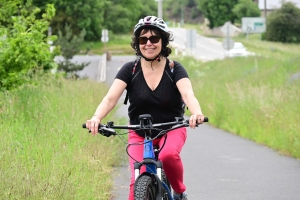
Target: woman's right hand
93 124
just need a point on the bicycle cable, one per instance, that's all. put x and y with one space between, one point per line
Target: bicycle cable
141 143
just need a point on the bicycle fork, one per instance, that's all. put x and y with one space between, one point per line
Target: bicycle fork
153 168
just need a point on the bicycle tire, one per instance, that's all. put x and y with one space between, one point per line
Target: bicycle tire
164 179
145 189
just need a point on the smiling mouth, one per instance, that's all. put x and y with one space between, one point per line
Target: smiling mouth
150 49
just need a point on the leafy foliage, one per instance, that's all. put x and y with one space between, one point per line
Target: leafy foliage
218 11
80 14
23 43
283 25
121 16
246 8
147 8
69 45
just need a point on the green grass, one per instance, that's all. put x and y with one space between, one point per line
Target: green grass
269 49
44 152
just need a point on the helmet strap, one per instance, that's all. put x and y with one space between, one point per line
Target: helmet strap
157 58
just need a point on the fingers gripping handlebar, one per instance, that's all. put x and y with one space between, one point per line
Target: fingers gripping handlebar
104 130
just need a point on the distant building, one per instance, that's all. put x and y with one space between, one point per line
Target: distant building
272 5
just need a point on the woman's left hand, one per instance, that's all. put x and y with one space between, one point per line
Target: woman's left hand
196 119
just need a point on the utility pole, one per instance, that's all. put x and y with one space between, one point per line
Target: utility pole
265 10
160 10
182 13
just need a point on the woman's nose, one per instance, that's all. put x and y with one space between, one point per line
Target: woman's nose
149 42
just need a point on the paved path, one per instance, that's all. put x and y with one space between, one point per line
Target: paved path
222 166
89 71
205 49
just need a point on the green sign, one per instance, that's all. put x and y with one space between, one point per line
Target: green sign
258 24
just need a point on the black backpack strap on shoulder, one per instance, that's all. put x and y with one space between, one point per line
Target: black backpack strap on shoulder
132 73
171 65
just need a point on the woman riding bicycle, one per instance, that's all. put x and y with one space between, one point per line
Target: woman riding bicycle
155 86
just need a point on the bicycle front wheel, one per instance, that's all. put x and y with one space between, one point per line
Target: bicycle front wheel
145 188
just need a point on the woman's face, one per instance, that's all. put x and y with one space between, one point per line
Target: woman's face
150 44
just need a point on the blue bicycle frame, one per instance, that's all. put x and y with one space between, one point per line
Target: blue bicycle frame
153 168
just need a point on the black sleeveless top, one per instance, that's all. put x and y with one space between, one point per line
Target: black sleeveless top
163 104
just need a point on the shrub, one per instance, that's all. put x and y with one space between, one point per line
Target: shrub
283 25
23 44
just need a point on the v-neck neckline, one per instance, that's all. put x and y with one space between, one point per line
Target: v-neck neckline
159 82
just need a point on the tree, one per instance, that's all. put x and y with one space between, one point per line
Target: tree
79 14
283 25
121 16
69 45
246 8
147 8
23 43
218 11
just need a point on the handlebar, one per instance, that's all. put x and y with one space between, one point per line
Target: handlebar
145 124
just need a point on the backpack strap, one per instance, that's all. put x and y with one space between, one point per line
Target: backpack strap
171 65
132 73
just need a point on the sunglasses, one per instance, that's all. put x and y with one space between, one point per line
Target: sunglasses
153 39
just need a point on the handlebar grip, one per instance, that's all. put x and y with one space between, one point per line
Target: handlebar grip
206 119
84 125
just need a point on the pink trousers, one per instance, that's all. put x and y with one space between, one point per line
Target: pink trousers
170 157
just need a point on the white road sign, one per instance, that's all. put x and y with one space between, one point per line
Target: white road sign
191 38
228 43
253 24
104 37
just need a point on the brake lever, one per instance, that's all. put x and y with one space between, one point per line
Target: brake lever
107 132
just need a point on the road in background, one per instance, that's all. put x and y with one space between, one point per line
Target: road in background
90 71
206 48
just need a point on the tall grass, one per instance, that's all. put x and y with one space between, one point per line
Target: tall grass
44 152
255 97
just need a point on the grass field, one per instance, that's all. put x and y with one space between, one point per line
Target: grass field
44 152
257 99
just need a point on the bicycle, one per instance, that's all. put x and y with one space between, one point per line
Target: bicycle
153 183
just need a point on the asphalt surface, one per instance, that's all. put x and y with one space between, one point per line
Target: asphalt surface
206 49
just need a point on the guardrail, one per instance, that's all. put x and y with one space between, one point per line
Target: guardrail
101 74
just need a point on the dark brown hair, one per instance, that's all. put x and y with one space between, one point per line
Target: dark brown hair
166 37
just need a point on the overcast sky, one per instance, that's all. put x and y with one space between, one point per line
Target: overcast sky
271 4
